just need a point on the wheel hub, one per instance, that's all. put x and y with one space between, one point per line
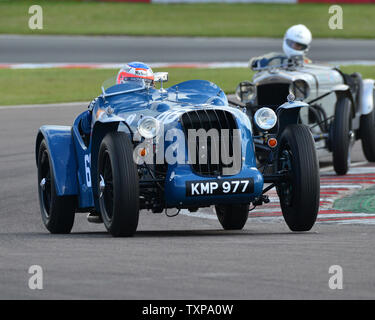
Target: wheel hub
351 135
101 185
43 184
286 187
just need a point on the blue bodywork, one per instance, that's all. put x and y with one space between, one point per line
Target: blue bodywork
62 156
74 159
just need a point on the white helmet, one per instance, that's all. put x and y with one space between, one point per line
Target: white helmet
296 40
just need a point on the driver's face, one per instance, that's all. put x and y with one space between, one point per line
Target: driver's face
296 46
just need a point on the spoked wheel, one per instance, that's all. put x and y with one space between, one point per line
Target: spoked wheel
232 217
45 183
342 136
118 185
106 185
299 194
367 130
57 211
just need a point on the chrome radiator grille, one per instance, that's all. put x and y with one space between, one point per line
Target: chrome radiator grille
224 124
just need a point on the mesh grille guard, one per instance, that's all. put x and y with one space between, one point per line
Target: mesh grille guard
224 123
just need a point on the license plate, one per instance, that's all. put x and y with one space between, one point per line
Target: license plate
219 187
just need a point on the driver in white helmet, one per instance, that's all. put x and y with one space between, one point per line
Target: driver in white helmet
296 43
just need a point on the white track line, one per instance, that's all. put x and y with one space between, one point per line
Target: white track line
353 221
341 186
49 105
330 169
191 65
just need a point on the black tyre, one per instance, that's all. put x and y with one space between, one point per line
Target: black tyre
118 185
232 217
367 130
299 195
342 135
57 212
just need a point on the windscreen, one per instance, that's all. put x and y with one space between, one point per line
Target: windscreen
110 86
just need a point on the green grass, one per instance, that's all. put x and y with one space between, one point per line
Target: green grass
215 19
65 85
365 71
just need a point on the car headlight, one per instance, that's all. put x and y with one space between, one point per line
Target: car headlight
245 91
300 89
148 127
265 118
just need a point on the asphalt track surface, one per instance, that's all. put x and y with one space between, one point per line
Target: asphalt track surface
39 49
169 258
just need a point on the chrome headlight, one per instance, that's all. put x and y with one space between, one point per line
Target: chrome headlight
265 118
300 89
245 91
148 127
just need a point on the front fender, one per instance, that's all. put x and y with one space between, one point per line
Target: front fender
344 90
103 125
288 113
367 101
60 146
111 118
340 88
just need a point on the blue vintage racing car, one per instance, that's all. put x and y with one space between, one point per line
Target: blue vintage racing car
140 147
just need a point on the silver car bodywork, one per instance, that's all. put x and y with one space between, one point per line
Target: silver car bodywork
320 86
320 80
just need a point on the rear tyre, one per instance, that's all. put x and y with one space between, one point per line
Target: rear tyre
118 185
342 136
299 196
57 211
367 130
232 217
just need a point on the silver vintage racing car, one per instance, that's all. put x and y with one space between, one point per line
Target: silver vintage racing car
341 106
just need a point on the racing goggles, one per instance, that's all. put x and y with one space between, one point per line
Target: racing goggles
147 82
296 45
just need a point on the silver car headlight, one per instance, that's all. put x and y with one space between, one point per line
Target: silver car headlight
265 118
300 89
148 127
246 91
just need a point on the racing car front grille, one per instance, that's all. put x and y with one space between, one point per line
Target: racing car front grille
210 119
272 95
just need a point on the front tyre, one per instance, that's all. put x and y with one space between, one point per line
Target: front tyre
299 195
342 135
233 216
118 185
57 211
